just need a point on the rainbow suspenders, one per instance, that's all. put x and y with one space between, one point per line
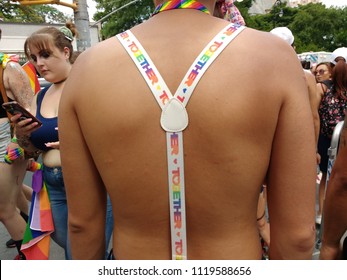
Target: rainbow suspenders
174 119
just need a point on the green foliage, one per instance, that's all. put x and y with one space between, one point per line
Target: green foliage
13 12
135 14
315 27
123 19
51 14
243 8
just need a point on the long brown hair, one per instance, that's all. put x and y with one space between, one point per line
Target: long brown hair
47 37
339 78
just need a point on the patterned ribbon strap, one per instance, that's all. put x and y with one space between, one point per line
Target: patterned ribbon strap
174 137
230 12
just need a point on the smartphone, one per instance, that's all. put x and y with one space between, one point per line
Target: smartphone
14 108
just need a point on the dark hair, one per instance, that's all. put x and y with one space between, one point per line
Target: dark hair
339 78
74 56
46 37
306 64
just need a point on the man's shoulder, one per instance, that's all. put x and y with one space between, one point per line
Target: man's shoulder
262 45
99 50
308 73
309 76
8 58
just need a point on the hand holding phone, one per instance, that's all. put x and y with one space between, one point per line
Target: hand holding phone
15 108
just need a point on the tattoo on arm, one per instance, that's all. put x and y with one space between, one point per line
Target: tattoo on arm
25 143
19 84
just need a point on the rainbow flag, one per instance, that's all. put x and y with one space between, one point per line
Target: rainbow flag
29 68
36 241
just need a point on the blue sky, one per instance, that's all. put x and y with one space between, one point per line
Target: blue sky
338 3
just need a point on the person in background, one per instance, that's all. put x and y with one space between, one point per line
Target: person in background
17 86
337 55
52 41
332 105
323 72
227 10
285 34
312 93
23 200
335 205
233 142
313 67
51 51
262 221
306 64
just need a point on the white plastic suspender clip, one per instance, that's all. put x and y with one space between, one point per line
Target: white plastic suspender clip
174 116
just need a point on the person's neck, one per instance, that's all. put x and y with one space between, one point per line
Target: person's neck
61 81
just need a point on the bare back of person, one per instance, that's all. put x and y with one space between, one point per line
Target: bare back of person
241 126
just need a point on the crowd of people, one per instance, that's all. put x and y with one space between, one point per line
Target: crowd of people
15 86
237 191
51 51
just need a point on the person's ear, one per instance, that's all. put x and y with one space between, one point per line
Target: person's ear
67 53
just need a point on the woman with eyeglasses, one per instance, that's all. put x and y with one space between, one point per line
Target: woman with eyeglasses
332 96
323 72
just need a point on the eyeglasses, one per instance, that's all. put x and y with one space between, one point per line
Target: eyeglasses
320 72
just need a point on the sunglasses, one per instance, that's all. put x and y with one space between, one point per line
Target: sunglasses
320 72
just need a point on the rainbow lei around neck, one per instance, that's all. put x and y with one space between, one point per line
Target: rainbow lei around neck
180 4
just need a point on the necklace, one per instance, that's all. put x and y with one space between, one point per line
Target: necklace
180 4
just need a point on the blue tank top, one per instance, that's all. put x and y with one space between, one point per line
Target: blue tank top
47 132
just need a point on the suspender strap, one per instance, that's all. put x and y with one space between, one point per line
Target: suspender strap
204 60
174 119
